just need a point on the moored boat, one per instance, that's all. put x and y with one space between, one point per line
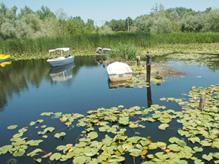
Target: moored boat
64 57
119 71
4 57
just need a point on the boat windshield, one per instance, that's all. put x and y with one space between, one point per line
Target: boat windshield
54 53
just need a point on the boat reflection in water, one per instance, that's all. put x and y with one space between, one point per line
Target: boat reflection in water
4 64
61 73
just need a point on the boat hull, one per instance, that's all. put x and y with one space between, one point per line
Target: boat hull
120 78
4 58
60 61
119 72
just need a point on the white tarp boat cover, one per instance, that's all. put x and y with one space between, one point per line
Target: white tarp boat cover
59 49
118 68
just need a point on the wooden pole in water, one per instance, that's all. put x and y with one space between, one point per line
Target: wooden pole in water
148 79
138 60
148 69
202 101
149 96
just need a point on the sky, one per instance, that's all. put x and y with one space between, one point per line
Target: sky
103 10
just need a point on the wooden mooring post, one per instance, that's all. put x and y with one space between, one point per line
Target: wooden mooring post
202 101
148 80
148 69
138 60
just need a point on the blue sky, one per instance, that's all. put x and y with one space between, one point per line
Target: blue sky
102 10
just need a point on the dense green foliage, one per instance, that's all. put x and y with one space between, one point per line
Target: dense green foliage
29 32
42 23
45 23
82 44
170 20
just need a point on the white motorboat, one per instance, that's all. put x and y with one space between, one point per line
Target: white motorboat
64 57
119 71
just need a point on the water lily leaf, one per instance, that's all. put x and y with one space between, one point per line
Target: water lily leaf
134 139
174 147
81 160
194 139
215 144
12 127
135 152
34 142
48 130
116 159
177 141
34 152
59 135
61 147
5 149
92 135
46 114
55 156
207 157
163 126
43 126
22 130
19 153
32 123
39 160
152 146
90 151
124 120
198 149
47 155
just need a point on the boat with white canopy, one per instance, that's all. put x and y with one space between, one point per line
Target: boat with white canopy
60 57
119 71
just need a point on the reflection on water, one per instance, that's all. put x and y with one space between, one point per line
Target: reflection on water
28 88
62 73
23 75
4 64
28 75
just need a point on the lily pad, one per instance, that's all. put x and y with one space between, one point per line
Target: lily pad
92 135
12 127
59 135
55 157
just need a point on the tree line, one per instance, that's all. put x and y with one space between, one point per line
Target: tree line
170 20
41 23
45 23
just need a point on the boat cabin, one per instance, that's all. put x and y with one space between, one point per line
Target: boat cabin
53 53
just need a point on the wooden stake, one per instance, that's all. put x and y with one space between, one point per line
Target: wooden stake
138 60
202 101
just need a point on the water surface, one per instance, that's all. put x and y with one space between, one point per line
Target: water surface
28 88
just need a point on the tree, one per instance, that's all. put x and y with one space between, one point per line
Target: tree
128 23
45 12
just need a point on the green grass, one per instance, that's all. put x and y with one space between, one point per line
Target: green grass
86 44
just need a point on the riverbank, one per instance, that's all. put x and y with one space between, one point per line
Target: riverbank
177 50
81 45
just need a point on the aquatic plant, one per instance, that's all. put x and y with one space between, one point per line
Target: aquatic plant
86 44
105 136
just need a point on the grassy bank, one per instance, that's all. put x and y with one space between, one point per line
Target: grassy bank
157 44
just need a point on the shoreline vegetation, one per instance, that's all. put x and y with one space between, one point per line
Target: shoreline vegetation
132 44
29 34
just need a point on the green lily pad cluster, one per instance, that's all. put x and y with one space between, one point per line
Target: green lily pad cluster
105 136
19 144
